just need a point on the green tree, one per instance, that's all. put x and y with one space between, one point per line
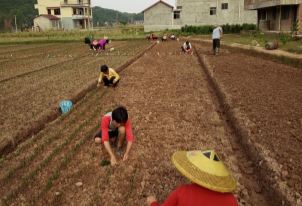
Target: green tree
123 22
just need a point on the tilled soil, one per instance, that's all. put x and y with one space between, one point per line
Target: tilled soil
41 88
269 96
171 107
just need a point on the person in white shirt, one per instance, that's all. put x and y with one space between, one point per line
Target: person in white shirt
216 36
186 47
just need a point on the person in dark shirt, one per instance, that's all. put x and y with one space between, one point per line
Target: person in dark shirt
87 41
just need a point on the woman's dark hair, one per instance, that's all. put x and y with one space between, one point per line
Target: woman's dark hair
107 41
104 68
120 115
187 43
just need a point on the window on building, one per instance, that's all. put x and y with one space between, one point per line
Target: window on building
179 7
57 12
74 11
224 6
53 23
81 11
212 10
263 14
80 1
274 13
65 1
88 2
176 14
285 12
49 11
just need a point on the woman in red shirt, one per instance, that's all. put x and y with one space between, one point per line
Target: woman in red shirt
212 183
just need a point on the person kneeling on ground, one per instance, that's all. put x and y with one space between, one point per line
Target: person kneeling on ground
115 128
164 37
212 182
109 76
216 36
173 37
153 37
186 47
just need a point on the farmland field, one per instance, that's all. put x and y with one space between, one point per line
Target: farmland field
172 106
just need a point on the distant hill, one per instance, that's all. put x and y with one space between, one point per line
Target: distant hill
102 15
25 11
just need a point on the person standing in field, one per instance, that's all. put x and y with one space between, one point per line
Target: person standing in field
212 182
216 36
109 76
103 42
116 128
187 47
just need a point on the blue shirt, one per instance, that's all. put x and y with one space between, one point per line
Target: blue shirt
217 33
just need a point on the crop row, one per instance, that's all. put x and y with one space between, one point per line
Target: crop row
48 140
67 159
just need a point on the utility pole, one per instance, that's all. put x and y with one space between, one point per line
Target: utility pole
88 18
116 19
16 23
132 19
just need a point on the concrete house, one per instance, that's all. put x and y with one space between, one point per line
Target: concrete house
72 14
276 15
161 16
47 21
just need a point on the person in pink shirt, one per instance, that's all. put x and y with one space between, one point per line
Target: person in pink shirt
212 183
115 129
102 43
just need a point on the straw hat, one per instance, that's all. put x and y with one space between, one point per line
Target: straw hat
105 37
205 169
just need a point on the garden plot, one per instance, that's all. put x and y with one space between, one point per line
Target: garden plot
40 92
169 108
266 97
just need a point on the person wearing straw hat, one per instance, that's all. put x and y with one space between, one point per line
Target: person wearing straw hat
212 182
216 36
103 42
164 38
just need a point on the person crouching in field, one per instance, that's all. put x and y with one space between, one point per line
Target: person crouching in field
109 76
172 37
103 42
164 38
153 37
115 129
87 41
216 36
186 47
148 37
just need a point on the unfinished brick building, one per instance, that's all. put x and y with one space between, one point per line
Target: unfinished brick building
276 15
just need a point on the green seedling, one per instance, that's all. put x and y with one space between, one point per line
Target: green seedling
105 163
93 153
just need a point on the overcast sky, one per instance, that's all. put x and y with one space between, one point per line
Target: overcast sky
130 6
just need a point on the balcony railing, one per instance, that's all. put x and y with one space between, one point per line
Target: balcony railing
75 2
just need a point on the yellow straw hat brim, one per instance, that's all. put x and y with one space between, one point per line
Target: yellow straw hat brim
105 37
213 175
